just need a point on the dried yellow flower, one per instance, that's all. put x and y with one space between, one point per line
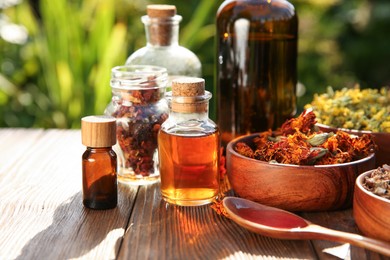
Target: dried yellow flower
353 108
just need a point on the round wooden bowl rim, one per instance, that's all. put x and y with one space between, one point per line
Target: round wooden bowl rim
359 184
232 143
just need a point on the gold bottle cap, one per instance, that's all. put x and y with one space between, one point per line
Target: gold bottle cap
98 131
186 93
160 11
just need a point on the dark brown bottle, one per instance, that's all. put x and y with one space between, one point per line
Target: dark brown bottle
99 162
256 66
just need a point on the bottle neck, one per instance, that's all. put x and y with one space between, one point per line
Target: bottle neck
162 32
189 107
99 149
182 117
139 84
180 112
189 124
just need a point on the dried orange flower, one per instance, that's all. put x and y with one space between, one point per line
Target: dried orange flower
299 142
218 207
222 164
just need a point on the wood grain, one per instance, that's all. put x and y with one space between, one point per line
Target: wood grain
175 232
42 217
338 220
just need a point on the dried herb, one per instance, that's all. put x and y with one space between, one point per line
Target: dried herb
222 164
354 108
299 142
218 207
378 182
138 121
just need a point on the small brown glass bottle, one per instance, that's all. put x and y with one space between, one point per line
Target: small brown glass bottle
99 162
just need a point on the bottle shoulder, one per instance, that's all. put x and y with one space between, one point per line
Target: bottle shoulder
103 152
177 59
261 10
173 51
189 127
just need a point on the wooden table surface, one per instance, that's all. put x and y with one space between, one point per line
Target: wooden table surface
42 216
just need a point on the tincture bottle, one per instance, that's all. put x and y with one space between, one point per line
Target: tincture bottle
99 162
256 65
188 144
162 48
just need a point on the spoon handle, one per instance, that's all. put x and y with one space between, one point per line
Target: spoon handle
322 233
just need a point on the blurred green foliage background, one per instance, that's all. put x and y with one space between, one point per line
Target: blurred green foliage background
56 55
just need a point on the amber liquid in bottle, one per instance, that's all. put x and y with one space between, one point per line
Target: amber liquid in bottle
190 167
256 66
99 178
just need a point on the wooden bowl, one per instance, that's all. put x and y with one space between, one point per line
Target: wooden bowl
382 140
293 187
371 212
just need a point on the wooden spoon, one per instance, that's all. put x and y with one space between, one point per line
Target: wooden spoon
277 223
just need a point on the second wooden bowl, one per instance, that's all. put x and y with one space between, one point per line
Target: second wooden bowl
371 212
293 187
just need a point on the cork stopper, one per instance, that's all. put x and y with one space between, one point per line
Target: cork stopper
188 87
160 11
162 21
188 95
98 131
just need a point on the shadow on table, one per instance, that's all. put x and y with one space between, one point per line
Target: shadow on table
75 231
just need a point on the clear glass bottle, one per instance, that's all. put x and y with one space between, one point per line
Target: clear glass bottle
256 65
99 162
188 144
162 48
139 107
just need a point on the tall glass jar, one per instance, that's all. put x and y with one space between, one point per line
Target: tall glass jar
162 48
256 65
139 107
